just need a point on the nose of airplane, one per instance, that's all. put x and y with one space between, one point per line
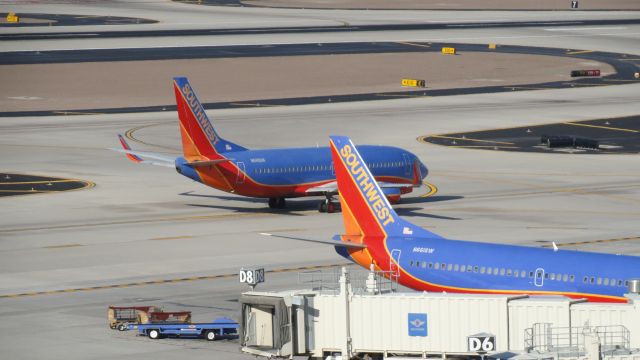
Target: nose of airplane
423 169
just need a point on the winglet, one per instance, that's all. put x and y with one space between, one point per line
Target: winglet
126 146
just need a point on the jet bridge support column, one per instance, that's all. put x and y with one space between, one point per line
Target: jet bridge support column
345 293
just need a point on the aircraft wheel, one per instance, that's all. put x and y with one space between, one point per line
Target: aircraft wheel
323 206
331 207
282 203
273 203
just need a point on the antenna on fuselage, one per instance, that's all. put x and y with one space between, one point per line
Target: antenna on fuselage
555 247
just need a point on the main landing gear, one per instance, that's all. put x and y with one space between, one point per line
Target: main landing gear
327 205
277 203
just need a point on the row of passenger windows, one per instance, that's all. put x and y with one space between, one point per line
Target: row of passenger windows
485 270
306 168
604 281
516 273
293 169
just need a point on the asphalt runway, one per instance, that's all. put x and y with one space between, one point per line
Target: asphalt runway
145 235
614 136
306 30
40 20
323 73
478 5
21 184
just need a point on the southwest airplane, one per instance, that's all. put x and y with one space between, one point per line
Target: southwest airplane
271 173
377 238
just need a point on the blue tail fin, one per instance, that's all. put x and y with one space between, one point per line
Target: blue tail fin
199 138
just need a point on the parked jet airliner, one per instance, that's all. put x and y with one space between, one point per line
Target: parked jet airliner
271 173
422 260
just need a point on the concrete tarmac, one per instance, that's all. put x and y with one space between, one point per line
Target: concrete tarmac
148 224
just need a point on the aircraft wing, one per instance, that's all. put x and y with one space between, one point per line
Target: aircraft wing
389 185
332 187
327 242
328 188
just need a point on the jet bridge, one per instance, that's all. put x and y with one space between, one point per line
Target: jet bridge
344 322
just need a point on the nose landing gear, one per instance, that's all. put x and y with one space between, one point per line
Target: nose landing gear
327 205
277 203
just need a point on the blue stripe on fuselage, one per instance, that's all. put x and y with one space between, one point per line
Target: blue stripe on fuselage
508 258
291 166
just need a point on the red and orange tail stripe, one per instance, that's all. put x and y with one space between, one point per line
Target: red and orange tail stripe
198 135
126 146
367 204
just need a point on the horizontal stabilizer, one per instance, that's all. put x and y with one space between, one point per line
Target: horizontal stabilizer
206 162
327 242
138 156
143 154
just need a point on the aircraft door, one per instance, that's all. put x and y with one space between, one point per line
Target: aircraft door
394 262
241 173
538 279
408 165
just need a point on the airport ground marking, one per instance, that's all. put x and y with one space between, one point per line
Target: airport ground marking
76 113
29 191
140 221
600 241
129 135
539 189
255 104
39 182
166 281
580 52
63 246
173 237
585 84
526 88
432 189
470 139
402 95
87 185
413 44
483 147
601 127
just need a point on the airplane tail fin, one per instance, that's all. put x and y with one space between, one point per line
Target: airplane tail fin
199 139
365 209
